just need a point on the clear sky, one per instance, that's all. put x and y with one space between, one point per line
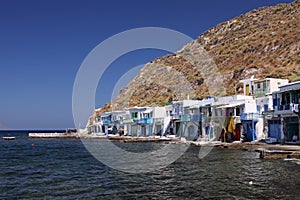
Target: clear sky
44 42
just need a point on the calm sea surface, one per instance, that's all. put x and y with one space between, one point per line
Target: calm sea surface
63 168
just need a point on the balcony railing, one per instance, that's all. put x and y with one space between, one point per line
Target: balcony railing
127 121
284 107
120 121
145 121
106 123
221 119
191 118
196 117
185 118
249 116
268 114
260 93
174 116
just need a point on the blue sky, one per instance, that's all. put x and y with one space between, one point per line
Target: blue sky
43 43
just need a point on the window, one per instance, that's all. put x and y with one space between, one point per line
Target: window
238 111
258 108
247 90
295 97
288 99
266 107
258 85
209 112
134 115
265 85
274 103
285 98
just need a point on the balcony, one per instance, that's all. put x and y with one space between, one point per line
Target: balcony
221 119
107 123
283 109
145 121
191 118
261 93
120 121
174 116
185 118
268 114
127 121
249 116
196 118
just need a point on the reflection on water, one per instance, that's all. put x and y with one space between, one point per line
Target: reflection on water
63 168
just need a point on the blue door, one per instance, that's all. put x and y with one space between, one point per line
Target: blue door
274 129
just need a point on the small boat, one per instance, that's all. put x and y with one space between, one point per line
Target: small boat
8 138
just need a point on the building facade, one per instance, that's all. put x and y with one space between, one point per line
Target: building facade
269 108
286 107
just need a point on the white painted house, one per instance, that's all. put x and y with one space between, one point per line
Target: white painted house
262 91
182 124
145 121
229 118
263 87
286 103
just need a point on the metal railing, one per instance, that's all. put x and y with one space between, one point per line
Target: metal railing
127 121
106 122
250 116
175 116
284 107
145 121
260 93
191 118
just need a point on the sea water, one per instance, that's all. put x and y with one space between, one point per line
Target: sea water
63 168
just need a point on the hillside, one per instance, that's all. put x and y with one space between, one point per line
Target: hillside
264 42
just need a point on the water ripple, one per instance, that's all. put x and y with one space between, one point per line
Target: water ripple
63 169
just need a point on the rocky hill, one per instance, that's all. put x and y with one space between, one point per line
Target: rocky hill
264 42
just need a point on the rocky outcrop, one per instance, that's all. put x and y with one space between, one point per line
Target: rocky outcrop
264 42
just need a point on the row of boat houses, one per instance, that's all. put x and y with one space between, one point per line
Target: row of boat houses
268 109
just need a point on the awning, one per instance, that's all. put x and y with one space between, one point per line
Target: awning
106 115
194 106
200 105
149 110
205 105
289 87
231 105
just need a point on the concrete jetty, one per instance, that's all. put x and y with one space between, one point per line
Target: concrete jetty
122 138
278 153
53 135
142 139
266 151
